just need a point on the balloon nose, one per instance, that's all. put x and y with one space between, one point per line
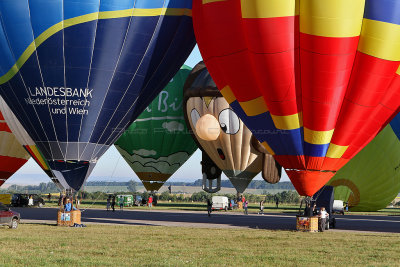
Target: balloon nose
207 128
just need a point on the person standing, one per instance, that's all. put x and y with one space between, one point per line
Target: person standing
113 203
121 203
322 216
261 207
30 201
150 201
108 203
245 204
277 202
60 199
49 197
209 207
308 211
314 210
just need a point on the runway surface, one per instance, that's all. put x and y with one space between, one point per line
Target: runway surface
220 219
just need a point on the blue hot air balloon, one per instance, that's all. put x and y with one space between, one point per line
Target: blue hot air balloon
76 73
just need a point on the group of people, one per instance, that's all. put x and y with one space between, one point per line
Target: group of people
111 201
312 211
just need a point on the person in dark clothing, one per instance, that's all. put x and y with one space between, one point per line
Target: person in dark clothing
209 206
314 209
308 211
277 203
60 199
113 203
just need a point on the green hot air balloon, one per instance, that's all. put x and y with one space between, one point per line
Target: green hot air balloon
371 180
158 143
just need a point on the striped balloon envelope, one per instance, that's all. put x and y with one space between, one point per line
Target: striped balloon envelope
314 80
76 73
371 180
12 154
26 141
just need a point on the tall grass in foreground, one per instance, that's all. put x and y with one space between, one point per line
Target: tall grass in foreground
100 245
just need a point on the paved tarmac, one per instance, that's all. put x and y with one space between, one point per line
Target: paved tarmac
220 219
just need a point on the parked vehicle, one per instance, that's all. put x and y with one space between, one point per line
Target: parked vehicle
6 199
324 198
128 200
220 203
9 217
338 207
22 200
138 200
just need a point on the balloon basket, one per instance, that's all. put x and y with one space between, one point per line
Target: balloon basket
68 218
307 224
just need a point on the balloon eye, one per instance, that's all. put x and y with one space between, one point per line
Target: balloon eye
223 127
229 121
195 116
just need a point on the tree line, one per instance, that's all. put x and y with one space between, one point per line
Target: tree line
50 187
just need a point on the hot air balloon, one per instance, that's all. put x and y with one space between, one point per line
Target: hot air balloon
157 144
12 155
76 73
371 180
222 136
314 80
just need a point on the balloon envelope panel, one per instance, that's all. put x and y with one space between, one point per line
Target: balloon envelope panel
158 143
77 73
371 180
26 141
315 80
12 155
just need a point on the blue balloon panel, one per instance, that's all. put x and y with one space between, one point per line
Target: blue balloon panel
77 73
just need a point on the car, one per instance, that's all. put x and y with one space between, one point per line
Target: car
22 200
9 217
220 203
138 200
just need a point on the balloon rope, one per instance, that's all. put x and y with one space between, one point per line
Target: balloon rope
108 185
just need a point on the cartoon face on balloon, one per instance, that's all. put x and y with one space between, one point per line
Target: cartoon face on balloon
220 133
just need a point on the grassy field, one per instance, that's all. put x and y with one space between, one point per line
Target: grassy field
100 245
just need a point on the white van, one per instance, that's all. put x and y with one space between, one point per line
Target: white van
338 207
220 203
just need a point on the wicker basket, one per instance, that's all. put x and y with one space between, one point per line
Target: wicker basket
68 218
307 224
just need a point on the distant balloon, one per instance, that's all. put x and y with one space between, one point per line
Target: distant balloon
158 143
12 155
314 80
222 135
77 73
371 180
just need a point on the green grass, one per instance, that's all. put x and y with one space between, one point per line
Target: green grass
101 245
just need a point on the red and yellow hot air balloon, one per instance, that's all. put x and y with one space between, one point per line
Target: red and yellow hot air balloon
12 154
314 80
